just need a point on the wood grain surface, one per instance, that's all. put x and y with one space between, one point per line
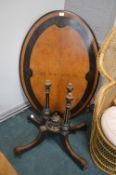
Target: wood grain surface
61 49
5 166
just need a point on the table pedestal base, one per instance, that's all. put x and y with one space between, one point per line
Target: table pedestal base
55 126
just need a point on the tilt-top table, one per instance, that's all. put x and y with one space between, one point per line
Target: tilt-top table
58 59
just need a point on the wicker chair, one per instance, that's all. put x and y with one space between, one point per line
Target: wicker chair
103 152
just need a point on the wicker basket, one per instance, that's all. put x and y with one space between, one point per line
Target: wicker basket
102 151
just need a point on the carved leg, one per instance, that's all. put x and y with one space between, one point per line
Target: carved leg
75 128
21 149
79 160
36 122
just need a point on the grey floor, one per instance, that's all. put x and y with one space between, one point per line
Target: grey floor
48 158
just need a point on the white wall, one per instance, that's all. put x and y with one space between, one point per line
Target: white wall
115 22
16 17
99 14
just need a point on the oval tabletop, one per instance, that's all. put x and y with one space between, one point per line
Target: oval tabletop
59 47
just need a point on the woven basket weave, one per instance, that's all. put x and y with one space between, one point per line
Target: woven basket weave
102 151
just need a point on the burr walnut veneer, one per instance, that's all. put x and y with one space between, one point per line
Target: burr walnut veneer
60 47
58 56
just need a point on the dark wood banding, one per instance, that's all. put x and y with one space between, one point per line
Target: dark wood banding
62 49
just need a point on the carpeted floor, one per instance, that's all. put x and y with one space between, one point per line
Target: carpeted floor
48 158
